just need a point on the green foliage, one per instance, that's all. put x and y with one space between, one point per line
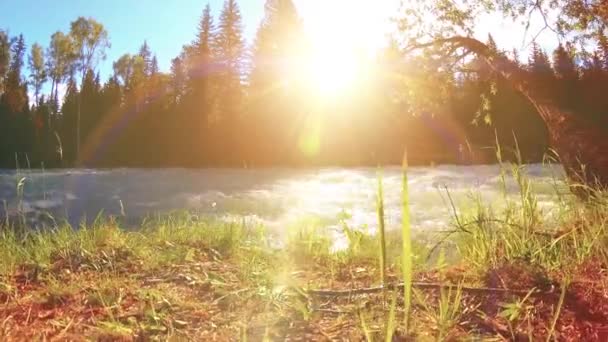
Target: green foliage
5 57
381 230
60 57
203 257
221 105
37 67
408 250
446 314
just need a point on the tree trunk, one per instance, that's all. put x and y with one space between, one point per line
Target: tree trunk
581 146
79 101
52 92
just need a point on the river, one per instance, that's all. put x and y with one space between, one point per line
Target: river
279 198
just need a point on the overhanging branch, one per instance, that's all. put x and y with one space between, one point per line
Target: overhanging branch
496 61
457 42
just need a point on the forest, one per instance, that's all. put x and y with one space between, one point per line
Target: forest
228 103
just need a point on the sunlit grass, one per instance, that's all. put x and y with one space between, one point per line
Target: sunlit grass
381 230
408 267
244 268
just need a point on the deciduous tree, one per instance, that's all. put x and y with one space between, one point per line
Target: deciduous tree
90 40
450 38
37 67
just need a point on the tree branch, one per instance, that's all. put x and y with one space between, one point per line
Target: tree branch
469 43
429 286
497 62
538 7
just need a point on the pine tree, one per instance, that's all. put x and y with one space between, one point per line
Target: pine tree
542 75
563 64
515 55
69 112
230 42
593 82
485 73
15 94
201 64
275 43
206 34
146 55
178 80
154 70
90 94
230 55
111 94
5 57
201 106
566 71
538 62
279 43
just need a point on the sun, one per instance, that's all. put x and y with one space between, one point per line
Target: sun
344 37
333 71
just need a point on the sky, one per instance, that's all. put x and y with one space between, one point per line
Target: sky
168 25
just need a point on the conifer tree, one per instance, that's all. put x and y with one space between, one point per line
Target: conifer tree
146 55
202 69
15 95
567 88
230 56
178 80
279 42
5 57
154 66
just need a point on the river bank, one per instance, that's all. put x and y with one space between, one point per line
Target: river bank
497 275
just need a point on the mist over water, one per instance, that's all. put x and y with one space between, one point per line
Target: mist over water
279 198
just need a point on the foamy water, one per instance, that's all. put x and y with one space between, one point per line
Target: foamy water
279 198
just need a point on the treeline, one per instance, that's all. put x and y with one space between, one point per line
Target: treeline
224 103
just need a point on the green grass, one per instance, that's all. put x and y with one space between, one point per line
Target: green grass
407 255
104 245
182 276
381 230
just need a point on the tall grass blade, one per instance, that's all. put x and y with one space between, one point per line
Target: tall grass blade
366 331
381 228
407 245
560 304
390 325
499 159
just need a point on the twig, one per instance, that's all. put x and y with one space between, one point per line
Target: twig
329 338
29 313
513 225
67 327
6 321
538 6
424 286
336 312
234 293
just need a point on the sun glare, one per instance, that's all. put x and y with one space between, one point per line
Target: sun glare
345 36
332 72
